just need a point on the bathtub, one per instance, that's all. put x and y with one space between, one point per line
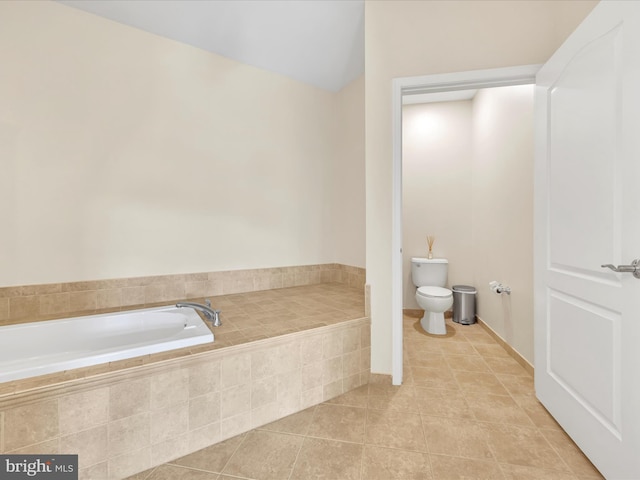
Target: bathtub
38 348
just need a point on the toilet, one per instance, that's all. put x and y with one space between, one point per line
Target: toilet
430 276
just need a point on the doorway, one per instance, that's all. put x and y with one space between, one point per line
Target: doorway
402 87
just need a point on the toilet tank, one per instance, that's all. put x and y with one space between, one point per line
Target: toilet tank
430 272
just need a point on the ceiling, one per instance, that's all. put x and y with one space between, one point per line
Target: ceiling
318 42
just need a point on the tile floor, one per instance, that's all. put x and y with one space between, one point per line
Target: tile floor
466 411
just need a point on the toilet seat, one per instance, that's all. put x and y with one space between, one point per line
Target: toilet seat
434 292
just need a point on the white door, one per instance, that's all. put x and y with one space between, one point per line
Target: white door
587 199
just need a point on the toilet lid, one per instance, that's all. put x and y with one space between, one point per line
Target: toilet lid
434 292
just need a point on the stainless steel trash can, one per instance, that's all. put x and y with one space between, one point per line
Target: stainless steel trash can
464 304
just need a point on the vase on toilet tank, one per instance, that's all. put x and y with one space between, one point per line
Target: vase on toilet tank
429 275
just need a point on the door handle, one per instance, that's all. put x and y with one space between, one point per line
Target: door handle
633 268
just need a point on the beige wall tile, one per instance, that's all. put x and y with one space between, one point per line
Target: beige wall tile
169 422
265 414
83 410
1 432
204 410
332 344
83 301
289 390
204 378
133 296
235 370
54 303
174 291
264 391
90 446
311 349
275 360
110 298
30 424
170 449
197 289
155 293
23 307
351 339
331 370
41 289
233 426
129 463
312 376
203 437
129 398
365 336
351 363
235 400
4 309
169 388
311 397
129 434
365 359
332 390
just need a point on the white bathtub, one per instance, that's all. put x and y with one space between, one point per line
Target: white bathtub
31 349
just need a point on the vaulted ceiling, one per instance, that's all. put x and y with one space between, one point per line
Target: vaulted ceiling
318 42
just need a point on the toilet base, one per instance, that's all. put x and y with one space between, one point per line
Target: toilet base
433 323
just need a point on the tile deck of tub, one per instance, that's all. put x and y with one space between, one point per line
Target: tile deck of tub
246 317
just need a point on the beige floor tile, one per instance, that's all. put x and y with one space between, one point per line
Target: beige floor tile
327 459
298 423
517 384
457 348
536 411
390 464
456 468
400 398
429 360
506 365
469 363
479 382
479 337
338 422
490 350
498 409
213 458
456 437
389 428
571 454
172 472
443 403
434 377
523 446
354 398
264 455
518 472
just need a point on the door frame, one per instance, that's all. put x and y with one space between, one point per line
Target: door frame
473 79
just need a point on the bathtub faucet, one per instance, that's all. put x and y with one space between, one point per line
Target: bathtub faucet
210 314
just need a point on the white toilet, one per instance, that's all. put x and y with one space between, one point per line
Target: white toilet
430 276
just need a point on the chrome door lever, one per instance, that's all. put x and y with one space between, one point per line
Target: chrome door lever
633 268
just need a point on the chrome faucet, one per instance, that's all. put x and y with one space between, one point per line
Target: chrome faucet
210 314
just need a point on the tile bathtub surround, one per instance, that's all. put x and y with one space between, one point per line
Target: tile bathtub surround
127 420
433 429
42 302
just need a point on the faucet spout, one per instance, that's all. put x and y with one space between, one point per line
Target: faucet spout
210 314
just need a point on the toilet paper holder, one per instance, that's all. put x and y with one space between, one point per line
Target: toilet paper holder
499 288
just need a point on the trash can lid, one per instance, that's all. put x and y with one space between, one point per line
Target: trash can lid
463 289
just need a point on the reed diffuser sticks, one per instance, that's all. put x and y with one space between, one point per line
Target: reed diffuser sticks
430 240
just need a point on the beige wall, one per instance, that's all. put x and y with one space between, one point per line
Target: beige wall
503 211
127 154
405 38
436 189
347 221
